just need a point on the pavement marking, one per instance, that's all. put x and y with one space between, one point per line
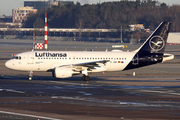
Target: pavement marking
67 83
105 101
165 92
9 90
75 84
27 115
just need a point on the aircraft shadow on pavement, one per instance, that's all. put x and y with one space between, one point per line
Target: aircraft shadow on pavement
48 78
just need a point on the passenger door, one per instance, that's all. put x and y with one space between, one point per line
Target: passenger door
31 58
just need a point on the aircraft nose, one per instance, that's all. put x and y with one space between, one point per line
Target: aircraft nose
8 64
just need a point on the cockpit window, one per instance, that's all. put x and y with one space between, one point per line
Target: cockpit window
17 57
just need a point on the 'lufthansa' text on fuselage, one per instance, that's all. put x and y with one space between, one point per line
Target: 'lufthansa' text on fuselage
47 54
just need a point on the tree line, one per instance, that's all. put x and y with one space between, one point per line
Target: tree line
107 15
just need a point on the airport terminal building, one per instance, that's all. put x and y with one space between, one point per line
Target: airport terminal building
37 4
174 38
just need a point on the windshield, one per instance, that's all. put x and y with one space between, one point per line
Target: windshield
17 57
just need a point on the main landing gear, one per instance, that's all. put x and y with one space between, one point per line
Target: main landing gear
85 78
85 75
30 75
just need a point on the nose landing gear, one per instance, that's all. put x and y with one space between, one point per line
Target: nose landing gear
30 75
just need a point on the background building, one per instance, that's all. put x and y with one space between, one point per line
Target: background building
20 14
136 27
57 2
174 38
5 18
43 4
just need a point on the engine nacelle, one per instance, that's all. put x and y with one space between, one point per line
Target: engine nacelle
62 72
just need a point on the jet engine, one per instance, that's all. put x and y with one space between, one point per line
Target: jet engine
62 72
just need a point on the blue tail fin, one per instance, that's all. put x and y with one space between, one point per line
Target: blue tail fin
157 40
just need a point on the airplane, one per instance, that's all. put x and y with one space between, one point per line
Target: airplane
65 64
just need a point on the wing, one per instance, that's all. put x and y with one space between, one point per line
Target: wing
90 66
87 66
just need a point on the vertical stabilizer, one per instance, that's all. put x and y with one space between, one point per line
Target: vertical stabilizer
157 40
152 51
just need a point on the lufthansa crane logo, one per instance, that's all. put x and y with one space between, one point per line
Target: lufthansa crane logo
156 43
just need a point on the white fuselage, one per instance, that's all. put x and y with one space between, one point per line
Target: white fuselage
45 60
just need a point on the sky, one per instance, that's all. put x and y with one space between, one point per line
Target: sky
6 6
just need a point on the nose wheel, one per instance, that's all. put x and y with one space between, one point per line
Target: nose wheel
85 78
30 78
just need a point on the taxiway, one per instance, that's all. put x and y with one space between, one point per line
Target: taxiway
154 92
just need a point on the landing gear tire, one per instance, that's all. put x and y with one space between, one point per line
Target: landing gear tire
85 78
30 78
